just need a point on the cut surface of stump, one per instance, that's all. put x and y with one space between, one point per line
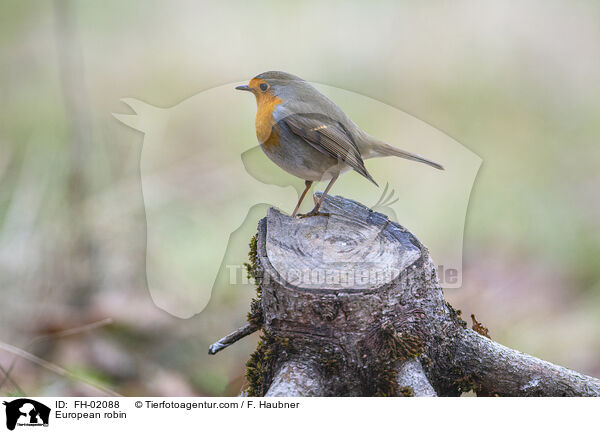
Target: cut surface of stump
335 252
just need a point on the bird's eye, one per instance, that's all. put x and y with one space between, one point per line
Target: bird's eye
263 87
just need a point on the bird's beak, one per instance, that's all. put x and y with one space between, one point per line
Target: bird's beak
244 87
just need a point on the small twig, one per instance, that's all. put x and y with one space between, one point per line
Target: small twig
229 339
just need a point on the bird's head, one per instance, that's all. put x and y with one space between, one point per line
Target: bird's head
271 84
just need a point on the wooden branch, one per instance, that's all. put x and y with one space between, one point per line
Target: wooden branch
410 375
499 370
351 305
231 338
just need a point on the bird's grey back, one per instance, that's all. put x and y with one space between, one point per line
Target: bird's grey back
299 96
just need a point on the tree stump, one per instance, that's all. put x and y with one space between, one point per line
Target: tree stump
350 305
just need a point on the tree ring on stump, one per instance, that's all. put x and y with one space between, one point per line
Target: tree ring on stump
352 249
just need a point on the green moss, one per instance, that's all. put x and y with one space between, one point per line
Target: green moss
425 360
384 379
284 343
252 265
394 341
456 315
255 316
410 346
406 391
261 366
331 363
396 346
465 382
479 328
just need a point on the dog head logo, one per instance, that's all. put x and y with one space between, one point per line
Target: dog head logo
26 412
206 183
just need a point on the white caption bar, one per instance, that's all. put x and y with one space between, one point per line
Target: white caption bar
125 414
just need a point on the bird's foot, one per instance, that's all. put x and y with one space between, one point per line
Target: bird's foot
314 212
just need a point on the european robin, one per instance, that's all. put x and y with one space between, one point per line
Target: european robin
309 136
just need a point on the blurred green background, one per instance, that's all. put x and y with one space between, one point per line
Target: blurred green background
518 83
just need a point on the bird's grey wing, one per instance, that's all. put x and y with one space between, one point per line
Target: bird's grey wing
329 137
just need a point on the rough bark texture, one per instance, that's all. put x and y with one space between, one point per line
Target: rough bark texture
296 379
497 369
410 375
350 305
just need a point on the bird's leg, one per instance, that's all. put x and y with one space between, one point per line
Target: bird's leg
315 211
308 184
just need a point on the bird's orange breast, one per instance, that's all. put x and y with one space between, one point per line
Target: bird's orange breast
266 130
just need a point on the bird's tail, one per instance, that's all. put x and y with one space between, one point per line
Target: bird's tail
385 149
